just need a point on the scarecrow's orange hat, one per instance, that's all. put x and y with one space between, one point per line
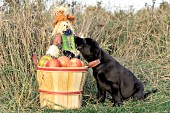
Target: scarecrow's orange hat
59 16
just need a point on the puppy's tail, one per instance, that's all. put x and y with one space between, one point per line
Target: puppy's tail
150 92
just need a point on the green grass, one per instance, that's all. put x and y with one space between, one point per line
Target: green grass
138 41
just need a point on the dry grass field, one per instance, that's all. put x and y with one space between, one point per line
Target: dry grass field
139 41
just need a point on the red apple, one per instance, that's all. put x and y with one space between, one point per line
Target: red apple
64 61
43 60
82 63
75 62
53 63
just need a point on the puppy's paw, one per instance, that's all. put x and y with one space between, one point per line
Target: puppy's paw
101 99
117 104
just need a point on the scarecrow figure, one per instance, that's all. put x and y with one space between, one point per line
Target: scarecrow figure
63 34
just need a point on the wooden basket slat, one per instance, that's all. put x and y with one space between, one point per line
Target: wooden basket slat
83 80
63 87
77 84
56 88
70 88
43 80
73 85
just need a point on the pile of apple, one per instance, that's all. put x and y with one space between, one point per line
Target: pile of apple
62 61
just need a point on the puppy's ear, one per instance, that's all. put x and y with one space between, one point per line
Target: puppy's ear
90 41
95 49
96 52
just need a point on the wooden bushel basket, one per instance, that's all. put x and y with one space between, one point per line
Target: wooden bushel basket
61 87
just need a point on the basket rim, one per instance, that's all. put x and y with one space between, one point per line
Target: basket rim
69 69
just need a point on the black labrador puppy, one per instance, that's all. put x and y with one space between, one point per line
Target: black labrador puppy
110 75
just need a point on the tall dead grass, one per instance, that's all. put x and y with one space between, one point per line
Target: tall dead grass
131 38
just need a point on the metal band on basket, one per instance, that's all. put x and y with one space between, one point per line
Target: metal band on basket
61 93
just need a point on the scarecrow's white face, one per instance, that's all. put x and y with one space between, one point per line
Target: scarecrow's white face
62 26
